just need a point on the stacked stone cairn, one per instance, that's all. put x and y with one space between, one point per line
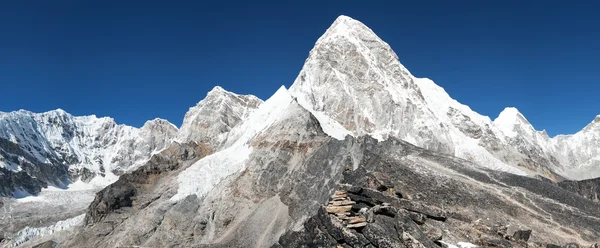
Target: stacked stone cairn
341 207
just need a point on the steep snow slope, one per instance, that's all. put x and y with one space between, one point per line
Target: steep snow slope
57 148
581 151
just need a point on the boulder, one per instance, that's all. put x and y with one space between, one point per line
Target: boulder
522 235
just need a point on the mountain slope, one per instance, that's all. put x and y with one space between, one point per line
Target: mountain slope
56 148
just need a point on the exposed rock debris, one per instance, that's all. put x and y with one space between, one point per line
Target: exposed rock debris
364 217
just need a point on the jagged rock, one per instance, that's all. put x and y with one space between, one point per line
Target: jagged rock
410 227
522 235
359 199
418 218
553 246
431 212
117 195
334 227
385 210
378 232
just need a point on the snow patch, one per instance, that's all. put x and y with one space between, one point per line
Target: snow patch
459 245
30 233
328 124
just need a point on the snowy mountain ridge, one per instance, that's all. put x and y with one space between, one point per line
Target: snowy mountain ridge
56 148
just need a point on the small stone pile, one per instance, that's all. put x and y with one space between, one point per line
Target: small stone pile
341 207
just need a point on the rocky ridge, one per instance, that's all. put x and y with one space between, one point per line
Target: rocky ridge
55 149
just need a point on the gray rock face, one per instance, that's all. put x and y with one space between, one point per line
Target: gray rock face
470 207
122 193
56 148
589 189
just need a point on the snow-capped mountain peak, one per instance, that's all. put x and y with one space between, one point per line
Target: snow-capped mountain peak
57 148
510 119
355 79
215 115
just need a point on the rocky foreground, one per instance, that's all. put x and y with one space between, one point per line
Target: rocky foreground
403 197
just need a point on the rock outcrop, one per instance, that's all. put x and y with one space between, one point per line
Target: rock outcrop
589 189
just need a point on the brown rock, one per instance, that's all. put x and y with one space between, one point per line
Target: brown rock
357 225
343 203
338 200
354 220
338 209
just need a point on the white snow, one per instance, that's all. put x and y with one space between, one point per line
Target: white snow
75 191
29 233
466 245
203 175
459 245
507 120
329 125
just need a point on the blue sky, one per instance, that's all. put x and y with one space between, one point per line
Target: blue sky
138 60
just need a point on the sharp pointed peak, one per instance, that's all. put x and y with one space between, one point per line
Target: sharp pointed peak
345 26
344 19
218 90
510 116
510 111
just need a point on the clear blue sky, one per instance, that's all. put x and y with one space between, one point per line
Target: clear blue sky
137 60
